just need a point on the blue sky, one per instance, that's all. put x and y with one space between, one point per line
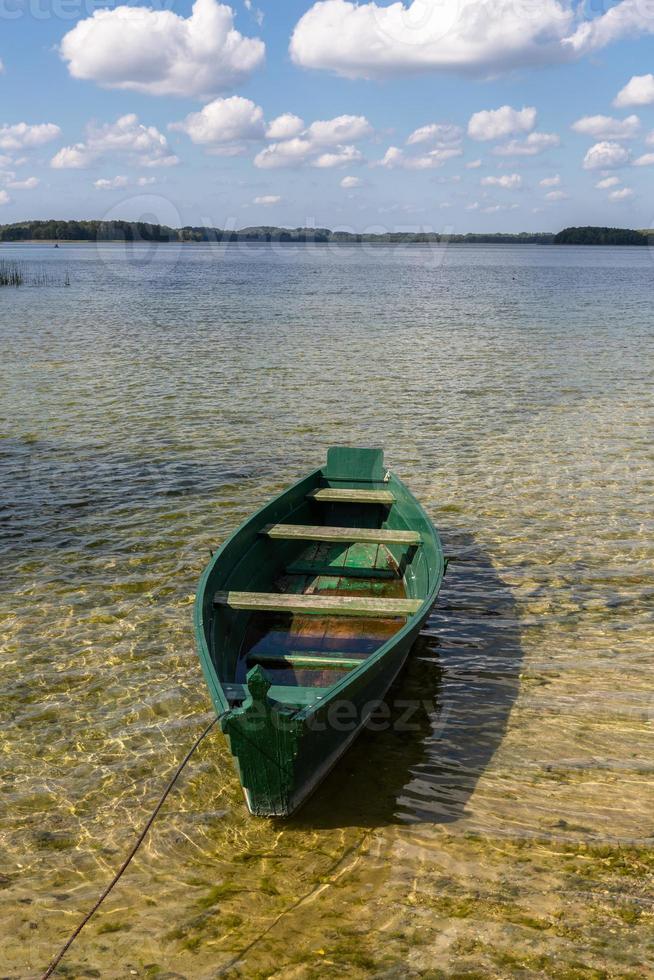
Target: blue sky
460 115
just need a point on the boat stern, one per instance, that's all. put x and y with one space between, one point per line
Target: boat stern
265 739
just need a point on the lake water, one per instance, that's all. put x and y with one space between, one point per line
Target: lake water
155 402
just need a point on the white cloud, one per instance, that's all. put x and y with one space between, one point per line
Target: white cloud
405 208
607 182
507 181
493 124
622 195
630 18
267 200
24 185
368 40
483 37
339 157
323 145
550 181
144 145
650 139
494 208
534 144
159 161
4 198
111 184
127 134
146 181
557 196
288 153
441 156
473 165
441 134
646 160
225 125
349 183
76 157
396 157
638 91
607 127
342 129
22 136
160 53
258 15
606 156
285 127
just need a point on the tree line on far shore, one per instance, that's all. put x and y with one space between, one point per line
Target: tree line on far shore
141 231
591 235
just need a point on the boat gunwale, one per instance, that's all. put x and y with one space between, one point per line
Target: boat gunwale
211 674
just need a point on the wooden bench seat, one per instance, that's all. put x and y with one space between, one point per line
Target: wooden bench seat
342 605
297 696
331 495
306 659
302 532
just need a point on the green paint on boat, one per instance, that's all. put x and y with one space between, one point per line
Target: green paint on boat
300 635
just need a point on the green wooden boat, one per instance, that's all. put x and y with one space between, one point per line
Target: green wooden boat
305 616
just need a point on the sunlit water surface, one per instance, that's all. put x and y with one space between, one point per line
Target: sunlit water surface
146 410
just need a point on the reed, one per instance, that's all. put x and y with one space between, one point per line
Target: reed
10 274
28 274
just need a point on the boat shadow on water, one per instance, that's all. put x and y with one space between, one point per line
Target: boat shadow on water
449 709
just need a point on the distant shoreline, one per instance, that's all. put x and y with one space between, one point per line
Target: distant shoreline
142 233
61 242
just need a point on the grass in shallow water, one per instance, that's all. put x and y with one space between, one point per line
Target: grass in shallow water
10 274
23 274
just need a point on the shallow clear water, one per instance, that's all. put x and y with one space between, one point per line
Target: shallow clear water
506 829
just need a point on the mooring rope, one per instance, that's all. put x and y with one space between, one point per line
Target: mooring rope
64 949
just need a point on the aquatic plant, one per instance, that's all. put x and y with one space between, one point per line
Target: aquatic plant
27 274
10 274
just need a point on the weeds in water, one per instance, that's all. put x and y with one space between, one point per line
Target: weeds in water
28 274
10 274
108 927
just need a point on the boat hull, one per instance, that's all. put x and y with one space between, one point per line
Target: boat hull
282 757
286 739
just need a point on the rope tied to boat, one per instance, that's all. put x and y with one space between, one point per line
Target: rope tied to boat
116 878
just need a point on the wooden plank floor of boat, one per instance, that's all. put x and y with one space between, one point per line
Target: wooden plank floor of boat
323 569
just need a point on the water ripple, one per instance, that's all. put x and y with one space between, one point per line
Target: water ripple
149 408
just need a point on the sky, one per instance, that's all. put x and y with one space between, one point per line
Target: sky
441 115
